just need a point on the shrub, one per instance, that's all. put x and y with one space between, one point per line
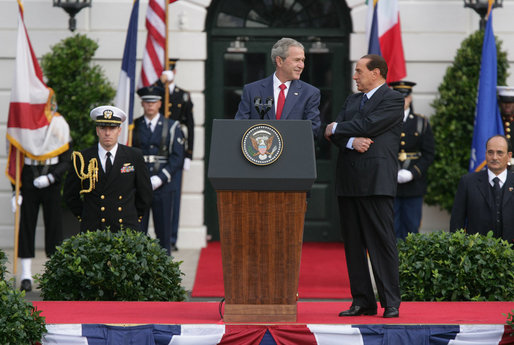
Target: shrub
444 266
3 261
78 84
105 266
20 322
453 120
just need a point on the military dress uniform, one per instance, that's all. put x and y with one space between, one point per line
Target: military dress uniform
49 197
506 95
181 110
163 150
417 149
117 199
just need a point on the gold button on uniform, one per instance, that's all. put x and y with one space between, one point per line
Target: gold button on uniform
402 143
103 220
102 197
120 220
102 208
119 209
120 197
403 134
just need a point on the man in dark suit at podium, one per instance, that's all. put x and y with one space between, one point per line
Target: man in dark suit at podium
367 132
282 95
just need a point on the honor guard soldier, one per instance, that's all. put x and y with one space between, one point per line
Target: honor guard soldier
180 109
108 185
417 148
506 103
162 143
41 186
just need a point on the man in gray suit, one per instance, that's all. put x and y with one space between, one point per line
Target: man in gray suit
367 132
477 207
282 95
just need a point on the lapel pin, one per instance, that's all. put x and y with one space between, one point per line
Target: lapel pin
511 189
296 93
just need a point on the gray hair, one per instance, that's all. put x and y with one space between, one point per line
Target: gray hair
281 48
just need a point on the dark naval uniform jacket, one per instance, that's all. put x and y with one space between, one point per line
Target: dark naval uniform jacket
181 110
163 149
417 148
115 201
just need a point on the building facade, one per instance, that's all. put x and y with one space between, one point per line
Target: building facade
222 44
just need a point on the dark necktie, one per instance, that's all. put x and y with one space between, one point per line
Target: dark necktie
108 163
364 99
496 191
150 126
497 207
281 100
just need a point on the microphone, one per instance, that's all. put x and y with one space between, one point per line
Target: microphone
257 103
269 103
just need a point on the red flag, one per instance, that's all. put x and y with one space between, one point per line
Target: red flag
153 56
34 128
384 36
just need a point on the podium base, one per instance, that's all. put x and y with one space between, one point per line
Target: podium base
260 313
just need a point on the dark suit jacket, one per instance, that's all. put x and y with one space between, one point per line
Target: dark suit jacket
119 199
302 102
375 171
473 205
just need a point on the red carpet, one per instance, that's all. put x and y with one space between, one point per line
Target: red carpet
323 272
411 313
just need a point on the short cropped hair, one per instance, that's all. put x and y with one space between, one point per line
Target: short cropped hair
281 48
509 146
376 61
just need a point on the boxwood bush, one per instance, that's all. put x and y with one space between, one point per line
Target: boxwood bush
20 322
105 266
442 266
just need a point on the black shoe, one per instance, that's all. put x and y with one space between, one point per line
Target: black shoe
26 285
174 248
356 310
391 312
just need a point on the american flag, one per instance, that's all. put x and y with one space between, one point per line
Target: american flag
153 57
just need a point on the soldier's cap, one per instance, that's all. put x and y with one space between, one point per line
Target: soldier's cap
108 116
402 86
172 63
505 94
151 93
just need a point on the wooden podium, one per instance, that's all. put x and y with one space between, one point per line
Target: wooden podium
261 212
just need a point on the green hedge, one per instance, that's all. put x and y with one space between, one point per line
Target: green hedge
444 266
105 266
20 323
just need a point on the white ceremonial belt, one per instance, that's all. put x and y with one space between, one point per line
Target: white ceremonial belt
49 161
154 158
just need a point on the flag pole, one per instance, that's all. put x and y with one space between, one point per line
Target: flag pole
166 65
17 213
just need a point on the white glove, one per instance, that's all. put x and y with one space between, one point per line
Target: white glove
187 163
168 76
43 181
13 202
404 176
156 182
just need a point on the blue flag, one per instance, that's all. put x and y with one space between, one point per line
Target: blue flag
126 85
488 120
